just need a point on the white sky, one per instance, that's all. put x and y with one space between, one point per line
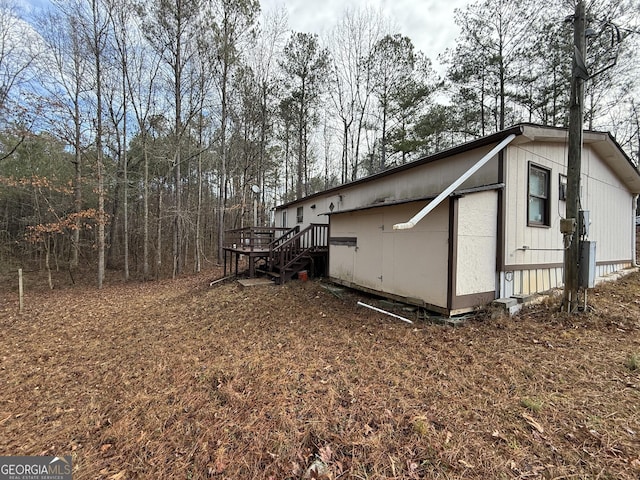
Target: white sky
428 23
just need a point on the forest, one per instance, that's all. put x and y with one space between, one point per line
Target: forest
134 133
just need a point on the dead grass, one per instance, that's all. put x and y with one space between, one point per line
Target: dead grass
175 379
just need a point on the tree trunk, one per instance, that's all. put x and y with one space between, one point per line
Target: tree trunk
125 174
145 247
383 150
222 199
159 234
77 190
100 166
301 145
198 246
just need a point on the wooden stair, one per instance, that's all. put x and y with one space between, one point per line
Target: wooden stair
295 251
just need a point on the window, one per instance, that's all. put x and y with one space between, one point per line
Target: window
539 203
562 188
299 214
284 218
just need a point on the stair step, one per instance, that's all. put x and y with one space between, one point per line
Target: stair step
295 268
267 272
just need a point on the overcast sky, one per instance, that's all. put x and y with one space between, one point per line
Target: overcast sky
429 23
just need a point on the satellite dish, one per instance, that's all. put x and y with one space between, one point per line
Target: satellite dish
255 188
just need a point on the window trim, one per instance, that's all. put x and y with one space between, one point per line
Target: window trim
300 214
562 187
546 222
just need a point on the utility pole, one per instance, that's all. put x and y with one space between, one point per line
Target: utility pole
570 227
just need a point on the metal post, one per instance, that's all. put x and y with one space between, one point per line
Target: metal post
576 107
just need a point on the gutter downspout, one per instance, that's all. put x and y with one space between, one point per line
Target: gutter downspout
451 188
634 261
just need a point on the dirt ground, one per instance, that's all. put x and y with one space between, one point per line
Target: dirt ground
177 379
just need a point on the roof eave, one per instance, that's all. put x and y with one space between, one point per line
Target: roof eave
458 149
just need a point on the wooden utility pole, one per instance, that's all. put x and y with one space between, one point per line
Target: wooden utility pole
576 112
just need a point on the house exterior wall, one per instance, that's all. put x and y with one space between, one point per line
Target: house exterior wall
534 255
423 181
367 253
476 243
313 211
477 246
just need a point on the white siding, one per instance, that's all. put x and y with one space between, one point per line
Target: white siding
477 243
611 212
602 194
544 243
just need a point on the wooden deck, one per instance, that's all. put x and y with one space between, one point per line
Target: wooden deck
283 251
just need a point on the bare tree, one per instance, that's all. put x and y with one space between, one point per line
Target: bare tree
351 44
18 51
97 38
66 70
172 27
305 65
235 19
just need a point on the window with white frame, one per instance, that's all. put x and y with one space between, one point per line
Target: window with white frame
299 214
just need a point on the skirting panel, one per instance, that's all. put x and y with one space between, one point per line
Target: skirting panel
541 279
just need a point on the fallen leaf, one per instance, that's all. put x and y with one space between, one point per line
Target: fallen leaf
466 464
325 454
530 420
499 435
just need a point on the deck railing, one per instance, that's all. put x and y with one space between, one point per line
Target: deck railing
286 250
253 238
314 237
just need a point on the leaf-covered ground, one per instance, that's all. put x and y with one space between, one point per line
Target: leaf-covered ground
176 379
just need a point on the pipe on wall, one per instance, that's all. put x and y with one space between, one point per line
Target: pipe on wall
451 188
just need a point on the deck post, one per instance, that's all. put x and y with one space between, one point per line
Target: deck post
224 274
252 266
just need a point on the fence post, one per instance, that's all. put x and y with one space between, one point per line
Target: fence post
20 290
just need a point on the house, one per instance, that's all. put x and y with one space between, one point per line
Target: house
492 228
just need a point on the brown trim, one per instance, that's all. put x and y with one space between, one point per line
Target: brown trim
457 193
472 300
348 241
453 251
483 188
